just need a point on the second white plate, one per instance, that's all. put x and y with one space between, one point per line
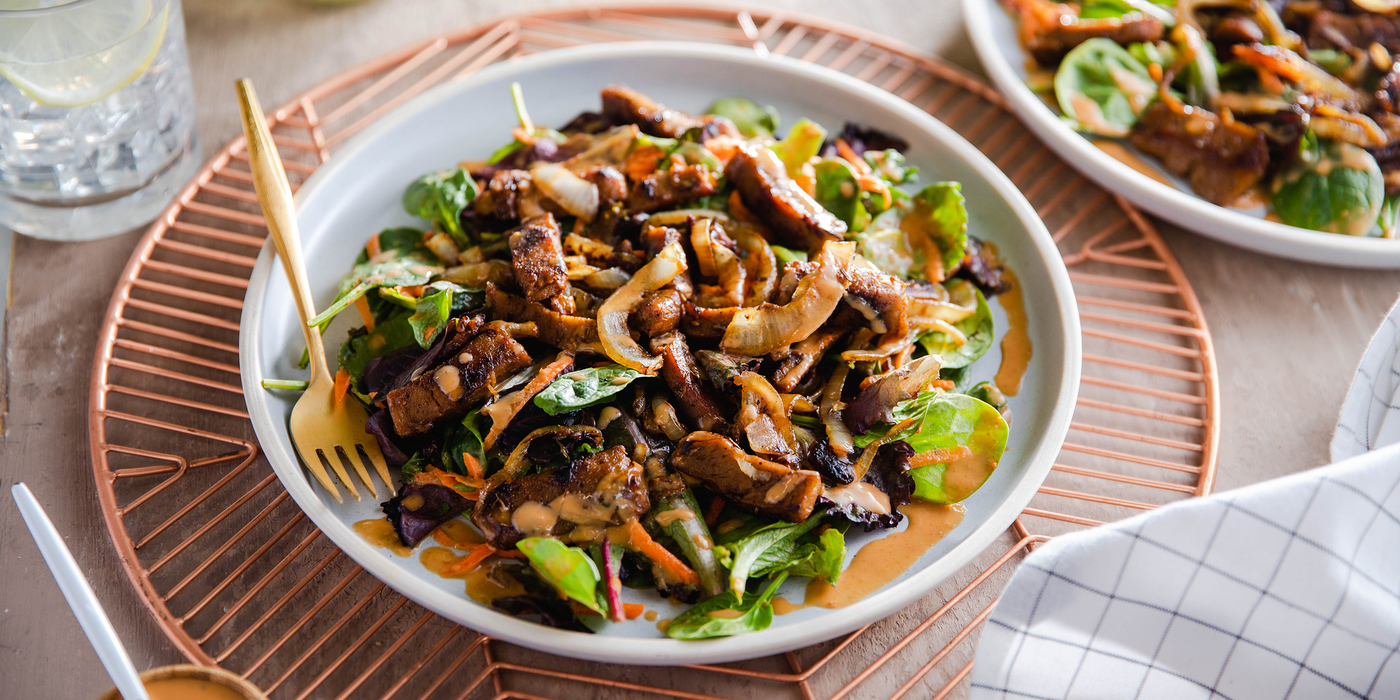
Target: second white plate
993 31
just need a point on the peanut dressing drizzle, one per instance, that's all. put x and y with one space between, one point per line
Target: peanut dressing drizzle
1016 344
380 533
191 689
883 560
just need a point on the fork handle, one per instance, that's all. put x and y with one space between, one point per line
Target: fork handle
279 211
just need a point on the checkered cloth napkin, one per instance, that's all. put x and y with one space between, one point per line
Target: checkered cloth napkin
1285 589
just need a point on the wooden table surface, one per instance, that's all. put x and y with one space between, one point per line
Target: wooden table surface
1288 335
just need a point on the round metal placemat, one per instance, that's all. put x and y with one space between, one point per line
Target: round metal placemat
236 575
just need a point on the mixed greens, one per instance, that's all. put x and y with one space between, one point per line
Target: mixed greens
672 352
1293 104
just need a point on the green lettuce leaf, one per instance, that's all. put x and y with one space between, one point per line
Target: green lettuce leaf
751 119
569 569
800 145
759 549
755 613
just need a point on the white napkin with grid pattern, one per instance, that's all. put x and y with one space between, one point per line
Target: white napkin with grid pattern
1285 589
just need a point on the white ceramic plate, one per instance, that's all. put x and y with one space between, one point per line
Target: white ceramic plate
1370 415
358 193
994 34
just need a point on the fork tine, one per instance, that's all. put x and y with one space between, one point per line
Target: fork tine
352 456
334 458
318 470
376 457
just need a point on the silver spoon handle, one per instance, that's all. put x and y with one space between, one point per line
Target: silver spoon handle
80 597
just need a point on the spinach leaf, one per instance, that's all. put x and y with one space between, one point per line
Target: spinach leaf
441 197
759 549
399 266
883 243
584 388
800 145
391 333
441 301
978 328
754 614
838 191
1330 186
947 422
751 119
467 437
939 215
1102 89
569 569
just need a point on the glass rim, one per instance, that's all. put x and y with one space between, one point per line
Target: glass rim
41 11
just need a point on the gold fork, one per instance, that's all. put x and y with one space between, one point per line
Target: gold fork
321 425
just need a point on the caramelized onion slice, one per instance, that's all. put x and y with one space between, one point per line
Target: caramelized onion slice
612 315
763 329
837 434
517 460
759 398
504 409
760 261
575 194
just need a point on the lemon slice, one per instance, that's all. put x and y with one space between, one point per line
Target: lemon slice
79 56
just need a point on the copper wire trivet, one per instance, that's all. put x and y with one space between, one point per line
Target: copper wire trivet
237 576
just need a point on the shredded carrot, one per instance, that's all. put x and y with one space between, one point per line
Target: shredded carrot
944 384
716 507
473 466
362 306
342 386
662 556
642 162
471 561
510 553
848 154
633 611
372 247
939 456
415 290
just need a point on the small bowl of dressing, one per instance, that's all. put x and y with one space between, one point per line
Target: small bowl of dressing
188 682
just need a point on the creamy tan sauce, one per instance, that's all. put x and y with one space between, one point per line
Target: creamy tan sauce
380 533
1121 154
458 532
534 519
439 559
963 476
607 416
666 517
861 493
449 381
781 606
1088 113
725 614
650 616
661 625
729 526
483 589
883 560
191 689
1016 344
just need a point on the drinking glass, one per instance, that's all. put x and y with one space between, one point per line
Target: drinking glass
96 115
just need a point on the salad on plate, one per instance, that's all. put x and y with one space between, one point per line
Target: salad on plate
679 353
1293 105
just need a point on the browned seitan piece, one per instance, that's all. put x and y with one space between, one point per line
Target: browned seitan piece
707 324
572 333
538 258
1222 160
1335 30
653 241
750 482
694 395
502 194
623 105
1050 44
796 218
575 503
673 186
659 312
454 387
